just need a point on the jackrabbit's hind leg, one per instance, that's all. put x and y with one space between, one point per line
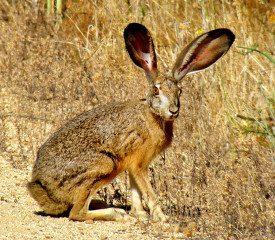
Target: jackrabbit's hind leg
101 174
81 212
48 205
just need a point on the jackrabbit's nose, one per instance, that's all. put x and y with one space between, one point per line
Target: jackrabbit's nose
174 110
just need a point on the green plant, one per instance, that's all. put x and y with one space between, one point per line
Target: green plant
261 122
255 50
58 6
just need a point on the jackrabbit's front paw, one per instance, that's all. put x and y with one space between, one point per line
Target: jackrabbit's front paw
158 215
139 214
121 216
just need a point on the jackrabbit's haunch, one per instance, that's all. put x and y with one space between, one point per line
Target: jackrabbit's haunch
92 149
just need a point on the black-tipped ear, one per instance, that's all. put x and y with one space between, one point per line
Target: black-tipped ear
140 47
202 52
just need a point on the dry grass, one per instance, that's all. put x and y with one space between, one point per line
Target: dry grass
218 173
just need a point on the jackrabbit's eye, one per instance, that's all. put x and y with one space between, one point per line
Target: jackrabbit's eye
156 91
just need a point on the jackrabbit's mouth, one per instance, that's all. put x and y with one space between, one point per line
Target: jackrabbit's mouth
173 116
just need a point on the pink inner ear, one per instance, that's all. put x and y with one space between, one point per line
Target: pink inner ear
188 66
142 46
147 62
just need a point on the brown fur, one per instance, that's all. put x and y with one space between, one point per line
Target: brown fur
77 161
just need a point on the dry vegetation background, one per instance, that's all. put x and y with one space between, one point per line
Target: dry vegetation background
219 174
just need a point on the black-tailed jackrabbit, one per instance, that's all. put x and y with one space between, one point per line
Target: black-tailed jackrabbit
93 148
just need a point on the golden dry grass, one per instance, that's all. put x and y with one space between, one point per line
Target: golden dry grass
217 174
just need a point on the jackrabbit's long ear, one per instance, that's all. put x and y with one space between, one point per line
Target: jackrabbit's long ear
202 52
140 47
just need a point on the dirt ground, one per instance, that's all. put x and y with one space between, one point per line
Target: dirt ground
20 217
217 179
